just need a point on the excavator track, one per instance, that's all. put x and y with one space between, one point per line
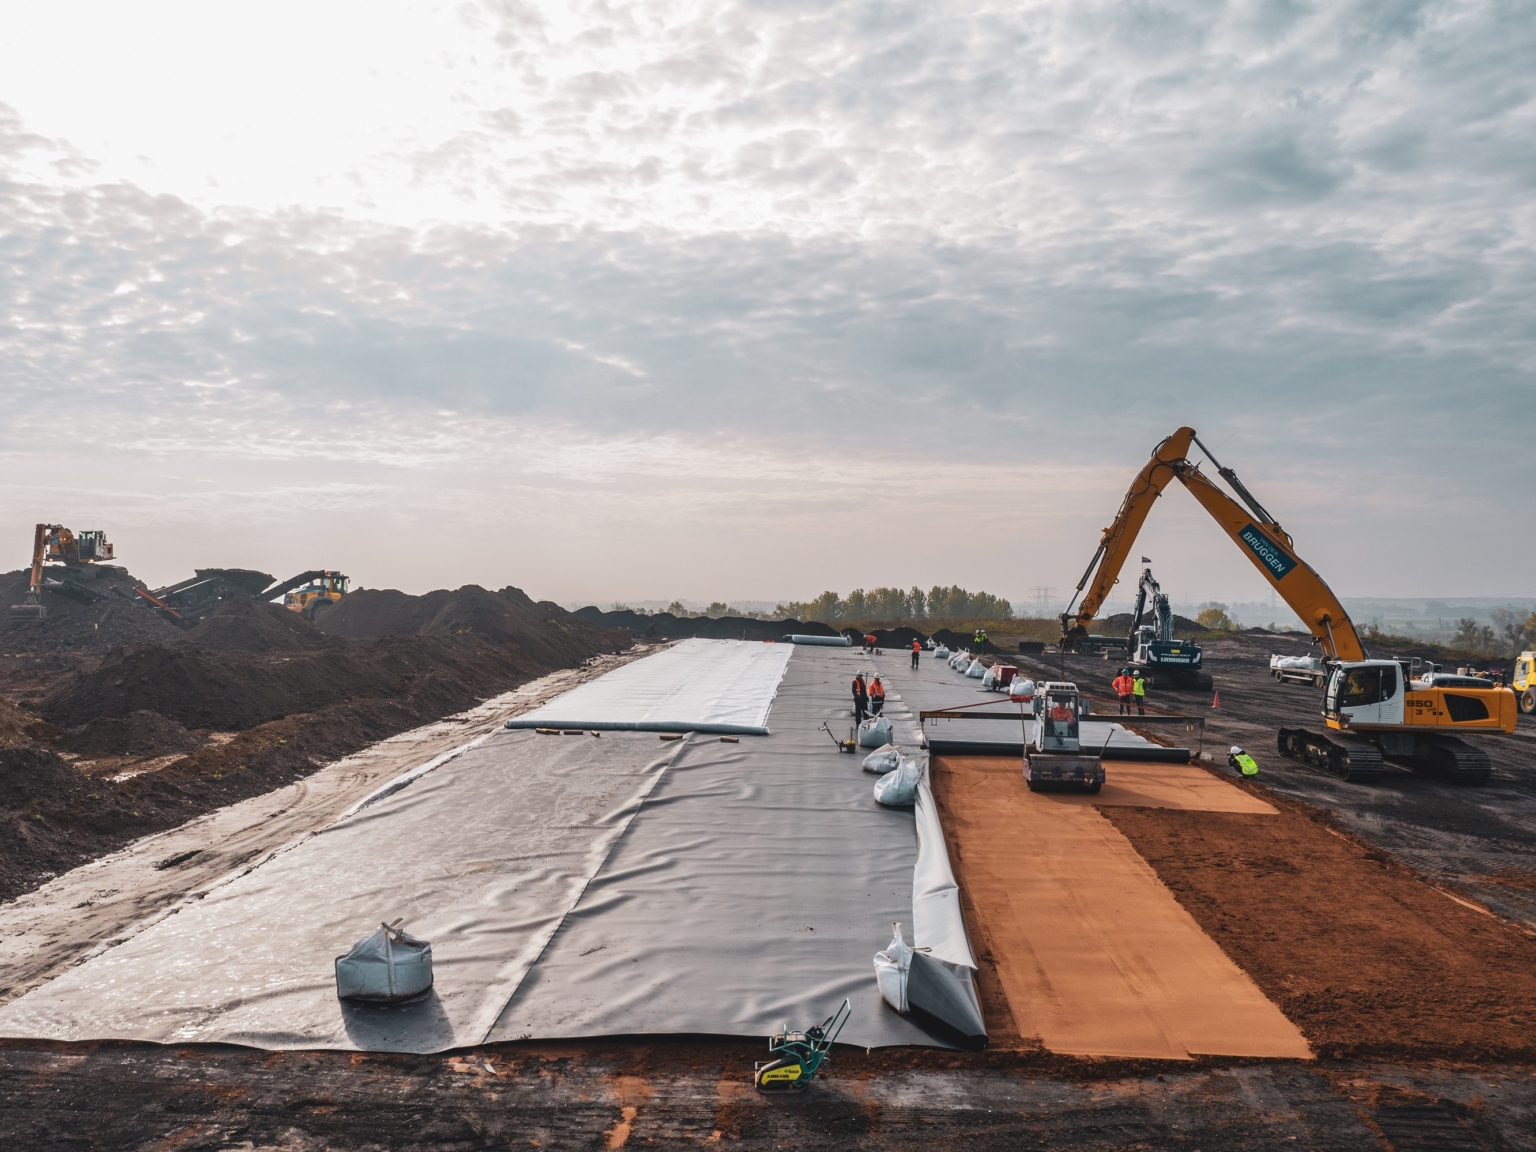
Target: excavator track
1345 755
1452 759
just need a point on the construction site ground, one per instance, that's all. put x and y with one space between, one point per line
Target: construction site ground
1394 925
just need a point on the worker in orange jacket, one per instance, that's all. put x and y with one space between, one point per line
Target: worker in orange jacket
876 696
860 698
917 647
1124 687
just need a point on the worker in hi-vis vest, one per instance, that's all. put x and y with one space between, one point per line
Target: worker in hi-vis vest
917 647
1243 762
1139 690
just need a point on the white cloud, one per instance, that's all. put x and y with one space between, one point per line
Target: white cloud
681 265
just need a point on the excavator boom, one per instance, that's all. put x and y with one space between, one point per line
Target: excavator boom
1261 537
1271 552
1120 536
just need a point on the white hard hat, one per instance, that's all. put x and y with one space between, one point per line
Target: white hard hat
1236 751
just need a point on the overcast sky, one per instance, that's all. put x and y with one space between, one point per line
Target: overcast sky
712 300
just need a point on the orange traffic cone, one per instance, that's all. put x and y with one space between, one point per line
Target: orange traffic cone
1216 701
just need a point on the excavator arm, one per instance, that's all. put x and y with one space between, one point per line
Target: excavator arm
1262 539
1270 549
1119 538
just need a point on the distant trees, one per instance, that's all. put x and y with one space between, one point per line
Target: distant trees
1517 633
1473 636
895 604
1213 618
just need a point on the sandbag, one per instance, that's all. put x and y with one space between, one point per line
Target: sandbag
385 968
941 999
989 678
874 732
1021 688
891 968
898 789
883 760
977 669
941 653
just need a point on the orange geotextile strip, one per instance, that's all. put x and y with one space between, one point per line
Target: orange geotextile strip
1095 955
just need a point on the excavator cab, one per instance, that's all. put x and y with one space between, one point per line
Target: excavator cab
1365 692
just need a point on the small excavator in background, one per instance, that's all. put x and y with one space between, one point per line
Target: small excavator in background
1371 708
1167 663
54 543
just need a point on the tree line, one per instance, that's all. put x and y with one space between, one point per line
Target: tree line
893 605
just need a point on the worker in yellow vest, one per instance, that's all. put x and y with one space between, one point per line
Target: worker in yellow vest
1244 763
1139 691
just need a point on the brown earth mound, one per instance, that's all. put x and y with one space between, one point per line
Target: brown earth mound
544 631
87 627
1364 956
137 734
52 816
239 625
297 697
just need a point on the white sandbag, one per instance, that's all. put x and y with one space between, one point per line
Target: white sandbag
1310 663
891 969
989 678
898 789
874 732
941 653
883 760
385 968
1021 688
977 669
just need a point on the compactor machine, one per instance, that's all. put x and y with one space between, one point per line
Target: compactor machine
1054 755
1371 708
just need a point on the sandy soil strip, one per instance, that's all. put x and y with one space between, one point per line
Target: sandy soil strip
1096 956
1183 787
100 904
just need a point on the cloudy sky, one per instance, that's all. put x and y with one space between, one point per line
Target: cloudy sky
748 300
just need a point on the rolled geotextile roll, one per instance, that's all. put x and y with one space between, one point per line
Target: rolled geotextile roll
824 641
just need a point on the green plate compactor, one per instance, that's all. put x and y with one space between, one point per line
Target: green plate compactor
799 1055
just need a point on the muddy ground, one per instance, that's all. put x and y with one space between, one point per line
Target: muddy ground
1480 841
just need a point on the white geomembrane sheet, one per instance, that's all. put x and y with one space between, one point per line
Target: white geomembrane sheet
722 686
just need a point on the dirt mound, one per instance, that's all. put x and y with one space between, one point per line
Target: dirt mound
665 626
256 626
898 637
1120 624
545 631
120 618
140 733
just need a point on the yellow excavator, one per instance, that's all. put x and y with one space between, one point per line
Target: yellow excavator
57 544
1371 708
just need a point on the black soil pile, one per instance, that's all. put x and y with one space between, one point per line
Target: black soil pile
84 628
140 733
544 631
1120 625
296 697
257 626
665 626
52 817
